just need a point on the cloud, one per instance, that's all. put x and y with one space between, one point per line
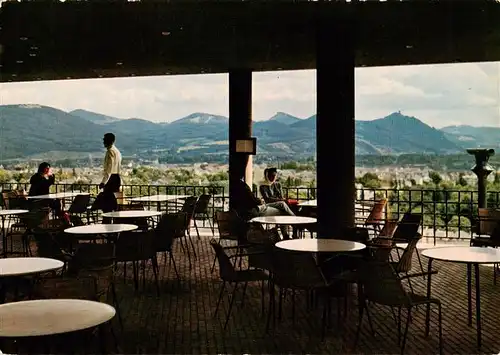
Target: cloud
439 95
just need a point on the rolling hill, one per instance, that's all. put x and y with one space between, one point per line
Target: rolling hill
27 130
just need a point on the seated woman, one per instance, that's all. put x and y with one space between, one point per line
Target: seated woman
270 189
40 185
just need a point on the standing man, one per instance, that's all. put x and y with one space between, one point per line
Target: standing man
111 181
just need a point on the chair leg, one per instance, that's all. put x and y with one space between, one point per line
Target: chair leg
408 318
196 227
362 306
172 260
233 296
420 262
440 321
117 305
220 297
243 295
155 273
213 265
210 224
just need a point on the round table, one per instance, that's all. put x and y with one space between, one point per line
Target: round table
285 220
52 316
464 255
3 215
320 245
27 266
101 229
132 214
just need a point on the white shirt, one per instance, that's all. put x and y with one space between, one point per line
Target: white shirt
112 163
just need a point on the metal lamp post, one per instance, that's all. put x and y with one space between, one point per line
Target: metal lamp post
482 169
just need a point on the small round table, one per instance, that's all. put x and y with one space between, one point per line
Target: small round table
320 245
3 215
464 255
10 267
52 316
132 214
101 229
284 220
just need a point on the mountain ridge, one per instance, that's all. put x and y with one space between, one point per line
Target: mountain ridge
204 133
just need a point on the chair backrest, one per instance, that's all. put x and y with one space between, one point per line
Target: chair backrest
405 261
131 207
226 268
79 204
135 246
408 226
389 228
203 203
46 245
170 227
381 284
356 234
93 256
376 215
120 198
296 270
189 206
230 226
489 220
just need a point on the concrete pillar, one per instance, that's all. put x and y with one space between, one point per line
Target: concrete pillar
240 124
335 124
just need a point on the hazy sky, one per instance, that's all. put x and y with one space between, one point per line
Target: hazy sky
439 95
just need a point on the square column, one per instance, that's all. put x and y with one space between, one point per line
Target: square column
240 125
335 152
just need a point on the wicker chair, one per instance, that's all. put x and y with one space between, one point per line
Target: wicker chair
381 285
188 208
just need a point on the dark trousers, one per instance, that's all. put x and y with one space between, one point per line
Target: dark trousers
106 200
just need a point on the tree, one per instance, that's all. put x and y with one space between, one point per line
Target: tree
370 180
435 177
461 180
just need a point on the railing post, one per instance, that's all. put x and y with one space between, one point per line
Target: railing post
482 169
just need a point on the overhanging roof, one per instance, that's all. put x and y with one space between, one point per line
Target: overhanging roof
53 40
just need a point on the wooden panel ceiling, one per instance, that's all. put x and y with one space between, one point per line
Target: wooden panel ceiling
53 40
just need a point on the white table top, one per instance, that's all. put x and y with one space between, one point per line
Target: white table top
310 203
284 220
464 254
27 266
320 245
58 195
158 198
131 214
101 228
12 212
52 316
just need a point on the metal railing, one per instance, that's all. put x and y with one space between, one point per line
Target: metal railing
446 213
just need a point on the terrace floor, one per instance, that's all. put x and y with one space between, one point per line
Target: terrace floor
180 320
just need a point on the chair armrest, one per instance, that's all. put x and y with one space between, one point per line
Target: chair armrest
433 272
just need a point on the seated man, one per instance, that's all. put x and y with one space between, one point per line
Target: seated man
40 185
248 206
270 189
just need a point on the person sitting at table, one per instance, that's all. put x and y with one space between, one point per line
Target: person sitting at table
248 206
270 189
40 185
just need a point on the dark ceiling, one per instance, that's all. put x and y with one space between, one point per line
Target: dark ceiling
54 40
